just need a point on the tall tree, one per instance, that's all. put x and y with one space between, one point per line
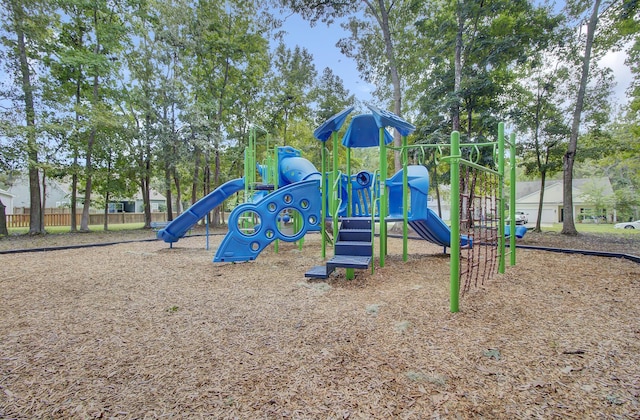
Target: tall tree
227 50
474 50
568 224
290 86
330 95
25 27
68 88
537 108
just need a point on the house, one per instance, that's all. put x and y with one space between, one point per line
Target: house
58 196
157 201
592 197
7 199
56 193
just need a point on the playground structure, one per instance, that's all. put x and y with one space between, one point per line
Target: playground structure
295 198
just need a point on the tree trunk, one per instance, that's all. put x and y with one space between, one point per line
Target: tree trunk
216 182
437 188
43 205
176 181
84 221
568 223
543 178
206 187
167 182
105 226
3 220
457 77
196 175
74 192
395 78
74 176
35 209
146 180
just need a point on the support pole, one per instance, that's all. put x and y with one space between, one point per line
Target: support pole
405 201
349 192
512 197
324 197
334 191
501 241
454 279
383 198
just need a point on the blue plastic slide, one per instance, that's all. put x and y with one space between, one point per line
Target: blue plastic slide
435 230
424 221
181 224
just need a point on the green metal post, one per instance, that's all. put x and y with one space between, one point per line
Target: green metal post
350 273
349 182
334 191
454 268
383 198
323 197
501 241
334 177
512 197
405 201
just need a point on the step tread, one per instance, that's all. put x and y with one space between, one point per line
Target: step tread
359 230
354 243
349 261
319 272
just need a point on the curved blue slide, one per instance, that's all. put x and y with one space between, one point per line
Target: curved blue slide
424 221
433 229
181 224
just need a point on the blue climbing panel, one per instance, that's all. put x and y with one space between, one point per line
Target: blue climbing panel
269 219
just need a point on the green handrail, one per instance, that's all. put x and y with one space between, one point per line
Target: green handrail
374 199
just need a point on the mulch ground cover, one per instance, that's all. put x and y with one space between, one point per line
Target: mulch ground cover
138 330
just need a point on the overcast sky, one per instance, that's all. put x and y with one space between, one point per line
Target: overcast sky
321 42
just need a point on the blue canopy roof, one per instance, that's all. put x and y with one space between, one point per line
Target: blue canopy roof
334 123
388 119
364 132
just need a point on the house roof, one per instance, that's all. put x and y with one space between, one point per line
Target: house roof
153 195
529 192
63 186
6 193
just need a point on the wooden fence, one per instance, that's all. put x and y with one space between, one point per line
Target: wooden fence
64 219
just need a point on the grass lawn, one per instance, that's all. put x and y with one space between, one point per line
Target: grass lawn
593 228
67 229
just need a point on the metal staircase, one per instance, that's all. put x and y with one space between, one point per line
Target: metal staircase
353 248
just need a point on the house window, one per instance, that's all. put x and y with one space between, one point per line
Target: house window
116 207
155 207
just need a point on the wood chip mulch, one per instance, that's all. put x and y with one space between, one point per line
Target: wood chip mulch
138 330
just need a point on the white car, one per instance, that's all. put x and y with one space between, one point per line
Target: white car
521 218
628 225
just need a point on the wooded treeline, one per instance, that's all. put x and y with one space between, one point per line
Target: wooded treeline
127 95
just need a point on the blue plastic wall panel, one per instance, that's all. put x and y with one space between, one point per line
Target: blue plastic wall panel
303 197
418 180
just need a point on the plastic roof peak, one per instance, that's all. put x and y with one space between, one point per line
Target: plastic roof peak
389 119
364 129
334 123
